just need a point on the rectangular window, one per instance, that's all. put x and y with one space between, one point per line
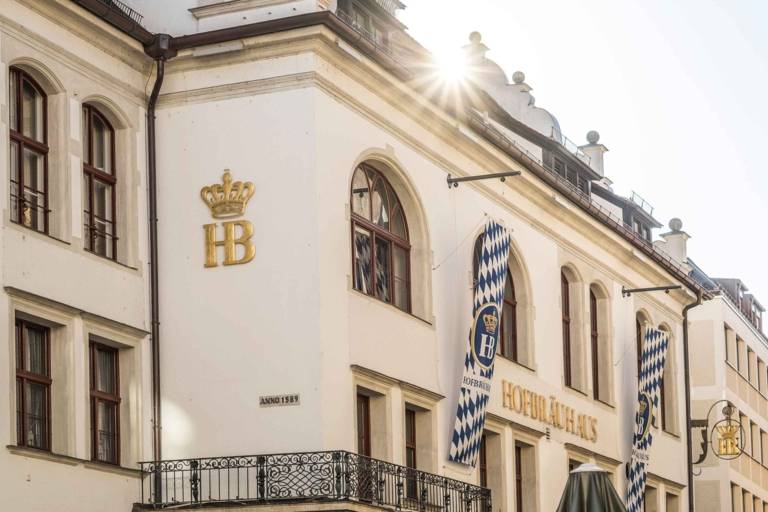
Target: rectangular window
33 385
105 404
363 425
672 502
410 452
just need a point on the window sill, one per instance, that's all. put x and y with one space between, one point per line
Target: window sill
388 305
576 390
670 433
107 260
516 363
605 404
21 228
72 461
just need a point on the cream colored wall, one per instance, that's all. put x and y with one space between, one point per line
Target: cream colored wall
52 280
300 115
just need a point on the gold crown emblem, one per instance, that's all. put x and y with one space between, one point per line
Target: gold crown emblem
227 199
490 322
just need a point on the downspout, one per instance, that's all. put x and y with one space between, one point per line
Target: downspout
160 51
687 370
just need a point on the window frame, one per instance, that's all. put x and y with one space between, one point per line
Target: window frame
23 377
482 465
509 348
94 173
97 396
410 438
566 324
364 419
377 232
22 141
518 477
594 333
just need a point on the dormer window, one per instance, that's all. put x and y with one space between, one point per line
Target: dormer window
642 229
372 18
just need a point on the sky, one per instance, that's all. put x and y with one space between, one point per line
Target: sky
677 90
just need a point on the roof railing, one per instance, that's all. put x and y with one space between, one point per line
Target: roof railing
123 9
569 145
642 203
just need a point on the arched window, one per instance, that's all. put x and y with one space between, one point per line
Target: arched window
668 388
600 343
512 342
509 320
99 182
566 321
29 151
381 249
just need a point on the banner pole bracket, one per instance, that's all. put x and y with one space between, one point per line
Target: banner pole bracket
454 182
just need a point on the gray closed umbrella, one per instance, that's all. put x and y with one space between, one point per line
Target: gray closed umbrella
589 490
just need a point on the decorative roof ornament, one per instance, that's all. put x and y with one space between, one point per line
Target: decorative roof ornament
593 137
518 77
676 225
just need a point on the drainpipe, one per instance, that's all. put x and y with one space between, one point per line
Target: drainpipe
160 51
687 369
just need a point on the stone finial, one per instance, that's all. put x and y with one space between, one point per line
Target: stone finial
676 225
475 37
518 77
593 137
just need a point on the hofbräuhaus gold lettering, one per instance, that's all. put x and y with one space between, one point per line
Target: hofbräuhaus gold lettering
549 411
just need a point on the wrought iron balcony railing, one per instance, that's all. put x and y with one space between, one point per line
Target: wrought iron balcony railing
123 9
309 476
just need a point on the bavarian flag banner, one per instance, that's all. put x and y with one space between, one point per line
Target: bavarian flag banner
654 355
483 341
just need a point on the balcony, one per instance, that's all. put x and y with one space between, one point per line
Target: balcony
291 478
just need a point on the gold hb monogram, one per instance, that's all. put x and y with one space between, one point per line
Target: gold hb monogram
228 200
229 243
728 443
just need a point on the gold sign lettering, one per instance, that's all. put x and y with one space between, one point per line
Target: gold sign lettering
548 410
229 243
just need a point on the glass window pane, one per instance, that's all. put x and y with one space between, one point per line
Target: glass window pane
32 112
15 182
106 434
106 376
380 204
509 321
361 195
383 270
86 139
398 224
400 268
102 200
13 100
35 351
362 260
34 189
101 139
36 407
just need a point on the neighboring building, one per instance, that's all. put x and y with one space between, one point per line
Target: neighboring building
729 352
331 327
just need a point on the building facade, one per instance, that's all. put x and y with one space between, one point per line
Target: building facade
730 370
315 268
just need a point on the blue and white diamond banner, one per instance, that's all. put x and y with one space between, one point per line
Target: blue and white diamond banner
654 355
483 341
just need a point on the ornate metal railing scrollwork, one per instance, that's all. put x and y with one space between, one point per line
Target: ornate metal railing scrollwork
307 476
